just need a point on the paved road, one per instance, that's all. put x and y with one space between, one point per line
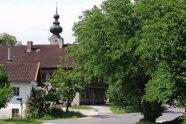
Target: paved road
170 114
103 115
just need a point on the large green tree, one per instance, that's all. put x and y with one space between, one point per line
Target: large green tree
64 85
162 44
138 46
5 88
7 39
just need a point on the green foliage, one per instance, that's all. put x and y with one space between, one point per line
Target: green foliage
117 110
19 121
184 119
115 94
152 110
81 107
5 93
119 95
162 46
161 87
62 90
64 85
138 48
122 109
3 77
37 104
5 88
7 39
57 113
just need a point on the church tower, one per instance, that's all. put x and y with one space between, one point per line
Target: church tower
56 29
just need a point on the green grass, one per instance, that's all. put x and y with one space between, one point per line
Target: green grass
81 107
122 110
55 114
184 119
117 110
19 121
63 115
108 103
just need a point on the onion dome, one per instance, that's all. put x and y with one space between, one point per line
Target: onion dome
56 28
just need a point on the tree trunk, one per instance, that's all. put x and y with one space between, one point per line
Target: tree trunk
68 102
139 105
152 110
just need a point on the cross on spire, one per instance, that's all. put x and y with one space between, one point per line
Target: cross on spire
56 7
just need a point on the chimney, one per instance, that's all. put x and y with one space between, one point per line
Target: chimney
9 60
61 42
29 46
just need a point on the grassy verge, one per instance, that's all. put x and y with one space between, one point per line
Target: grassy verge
184 119
19 121
59 114
108 103
122 110
117 110
81 107
55 114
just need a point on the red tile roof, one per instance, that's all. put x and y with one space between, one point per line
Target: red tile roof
22 72
47 55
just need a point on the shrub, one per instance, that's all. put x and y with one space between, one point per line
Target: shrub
58 113
37 105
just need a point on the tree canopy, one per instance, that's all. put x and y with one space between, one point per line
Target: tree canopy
138 46
7 39
5 88
64 85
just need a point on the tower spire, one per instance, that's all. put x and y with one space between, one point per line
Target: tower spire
56 29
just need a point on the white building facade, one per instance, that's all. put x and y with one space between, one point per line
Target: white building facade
23 77
14 107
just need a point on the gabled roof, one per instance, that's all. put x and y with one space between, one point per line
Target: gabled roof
47 55
22 72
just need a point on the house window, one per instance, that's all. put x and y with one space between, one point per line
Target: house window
46 75
15 112
16 91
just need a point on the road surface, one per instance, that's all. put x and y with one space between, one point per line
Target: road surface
103 115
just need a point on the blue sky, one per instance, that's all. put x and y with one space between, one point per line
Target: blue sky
30 20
